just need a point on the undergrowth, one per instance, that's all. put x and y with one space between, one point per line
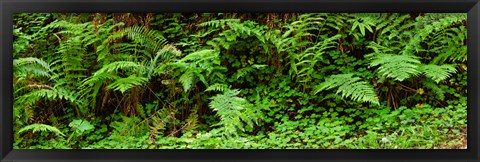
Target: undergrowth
238 80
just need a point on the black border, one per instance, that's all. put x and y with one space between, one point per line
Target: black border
9 7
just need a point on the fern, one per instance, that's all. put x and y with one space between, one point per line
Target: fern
401 67
152 40
115 66
392 26
191 122
161 121
236 29
164 56
57 93
129 126
35 66
398 67
438 72
335 21
194 67
349 86
449 42
41 128
99 78
302 56
188 78
109 72
124 84
308 59
436 26
219 23
232 110
30 93
200 55
218 87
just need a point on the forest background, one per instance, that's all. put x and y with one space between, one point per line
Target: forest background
240 80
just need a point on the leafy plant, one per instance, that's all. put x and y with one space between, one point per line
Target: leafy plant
41 128
232 111
349 86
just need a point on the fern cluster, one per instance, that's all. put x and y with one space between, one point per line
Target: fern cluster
162 77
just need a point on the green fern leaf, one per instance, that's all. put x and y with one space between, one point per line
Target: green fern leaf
187 79
349 86
232 110
150 39
124 84
438 72
200 55
41 128
115 66
398 67
218 87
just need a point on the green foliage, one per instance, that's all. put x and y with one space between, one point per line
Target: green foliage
218 87
401 67
398 67
129 126
173 80
362 22
152 40
349 86
41 128
438 73
162 120
233 111
80 126
36 67
196 66
124 84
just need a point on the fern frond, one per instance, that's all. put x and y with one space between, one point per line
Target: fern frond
349 86
192 122
150 39
99 78
438 72
41 128
440 24
187 79
157 125
115 66
166 53
30 60
200 55
218 87
50 94
232 110
36 66
398 67
219 23
124 84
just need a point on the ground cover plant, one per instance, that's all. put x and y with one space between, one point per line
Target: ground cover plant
240 80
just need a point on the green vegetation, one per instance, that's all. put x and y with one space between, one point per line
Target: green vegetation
231 80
